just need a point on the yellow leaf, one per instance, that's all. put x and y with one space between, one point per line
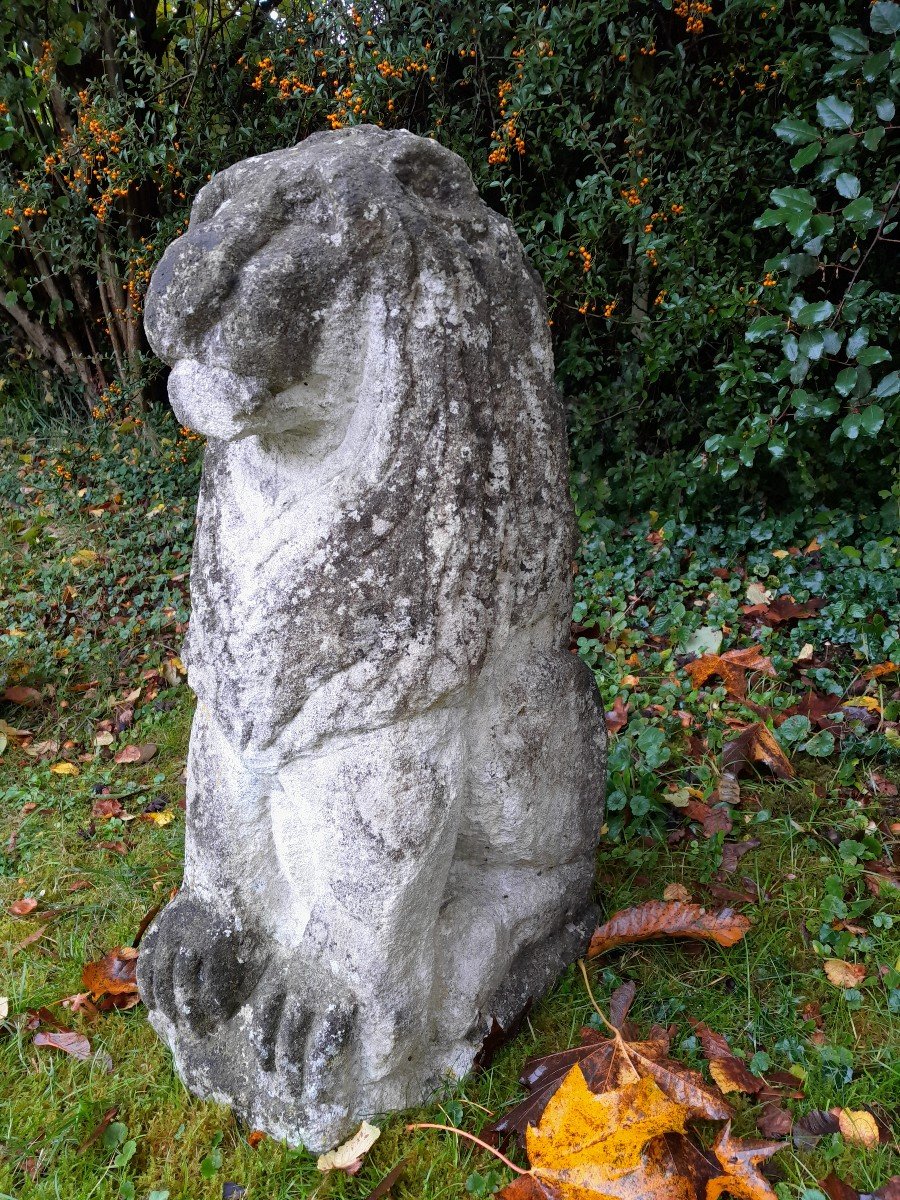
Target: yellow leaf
780 554
584 1139
858 1127
868 702
348 1155
161 818
64 768
83 558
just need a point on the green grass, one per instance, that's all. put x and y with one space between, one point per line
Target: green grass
811 835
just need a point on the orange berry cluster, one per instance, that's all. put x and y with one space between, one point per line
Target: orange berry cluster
692 13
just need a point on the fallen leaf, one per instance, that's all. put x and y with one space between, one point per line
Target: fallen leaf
233 1191
677 891
166 817
46 749
587 1144
885 668
730 1072
668 918
782 609
383 1187
741 1159
104 738
255 1137
31 939
66 1040
733 852
858 1127
83 558
10 731
731 667
4 1007
843 974
64 768
729 791
812 1126
617 717
605 1063
18 694
21 908
107 807
756 593
118 847
348 1157
756 744
135 754
115 974
99 1130
774 1120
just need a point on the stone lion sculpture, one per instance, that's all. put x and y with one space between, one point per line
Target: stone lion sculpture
396 766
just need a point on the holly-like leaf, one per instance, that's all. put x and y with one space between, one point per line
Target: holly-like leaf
668 918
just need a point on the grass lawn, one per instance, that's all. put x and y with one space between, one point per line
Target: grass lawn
94 549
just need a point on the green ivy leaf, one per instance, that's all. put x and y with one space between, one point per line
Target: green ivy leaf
834 113
874 65
873 138
885 108
847 185
851 426
820 745
888 386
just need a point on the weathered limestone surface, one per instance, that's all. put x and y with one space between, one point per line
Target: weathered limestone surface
396 766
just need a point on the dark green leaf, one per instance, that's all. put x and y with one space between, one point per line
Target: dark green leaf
847 185
885 17
834 113
815 313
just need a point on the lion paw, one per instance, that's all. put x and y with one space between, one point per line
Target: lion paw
195 966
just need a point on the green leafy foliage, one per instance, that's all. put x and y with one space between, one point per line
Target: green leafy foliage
631 146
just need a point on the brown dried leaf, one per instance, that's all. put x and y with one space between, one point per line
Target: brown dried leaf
21 908
115 974
66 1040
668 918
733 852
755 744
730 1072
843 974
135 754
783 608
19 694
107 807
677 891
731 668
617 717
